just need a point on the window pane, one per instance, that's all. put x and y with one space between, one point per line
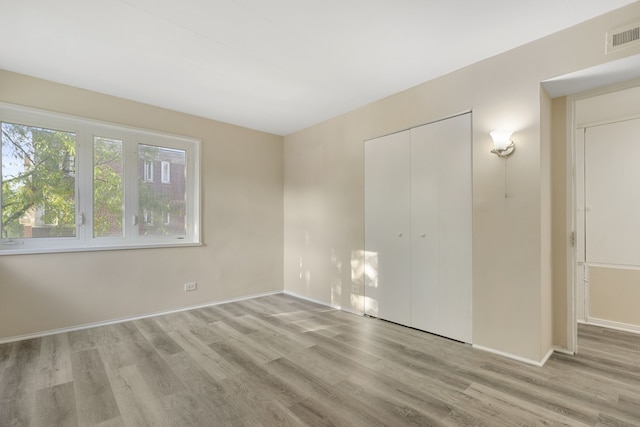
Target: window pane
165 176
107 187
38 182
162 199
148 170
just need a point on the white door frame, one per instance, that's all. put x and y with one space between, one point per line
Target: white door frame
571 215
575 184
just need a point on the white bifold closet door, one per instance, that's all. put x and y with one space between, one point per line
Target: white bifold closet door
387 227
418 227
441 228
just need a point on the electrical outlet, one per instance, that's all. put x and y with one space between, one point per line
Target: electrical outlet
355 289
191 286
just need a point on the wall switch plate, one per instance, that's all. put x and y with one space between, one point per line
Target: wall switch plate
191 286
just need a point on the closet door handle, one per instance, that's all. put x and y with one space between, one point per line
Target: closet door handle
423 235
399 234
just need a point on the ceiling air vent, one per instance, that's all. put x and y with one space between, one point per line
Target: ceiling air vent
623 37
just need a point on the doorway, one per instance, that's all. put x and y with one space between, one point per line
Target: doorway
606 206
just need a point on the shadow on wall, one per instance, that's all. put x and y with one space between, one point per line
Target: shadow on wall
361 286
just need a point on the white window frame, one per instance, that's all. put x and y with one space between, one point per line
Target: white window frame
147 217
165 172
148 170
86 130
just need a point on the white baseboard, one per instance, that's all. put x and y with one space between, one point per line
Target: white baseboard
286 292
487 349
528 361
625 327
563 350
128 319
547 356
306 298
324 303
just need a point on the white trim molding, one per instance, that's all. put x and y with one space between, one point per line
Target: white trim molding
625 327
128 319
479 347
516 357
562 350
319 302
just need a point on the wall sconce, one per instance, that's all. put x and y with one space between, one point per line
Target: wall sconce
502 144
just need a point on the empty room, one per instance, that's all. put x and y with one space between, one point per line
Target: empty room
287 213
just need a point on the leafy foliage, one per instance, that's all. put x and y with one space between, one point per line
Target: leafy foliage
107 187
38 180
39 186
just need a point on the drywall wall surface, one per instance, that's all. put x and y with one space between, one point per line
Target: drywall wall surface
608 107
241 217
323 198
614 295
324 242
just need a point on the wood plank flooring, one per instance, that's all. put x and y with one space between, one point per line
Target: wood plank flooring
281 361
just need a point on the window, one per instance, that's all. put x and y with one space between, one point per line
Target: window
148 170
108 189
70 184
165 173
147 217
38 188
158 200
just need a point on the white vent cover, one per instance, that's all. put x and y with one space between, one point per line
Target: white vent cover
623 37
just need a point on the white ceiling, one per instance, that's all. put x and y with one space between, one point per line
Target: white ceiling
272 65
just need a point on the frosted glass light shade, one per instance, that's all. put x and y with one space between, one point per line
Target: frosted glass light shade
501 139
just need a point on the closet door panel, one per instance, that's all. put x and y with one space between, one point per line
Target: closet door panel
418 227
387 227
455 225
425 233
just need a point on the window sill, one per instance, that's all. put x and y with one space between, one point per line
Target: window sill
18 249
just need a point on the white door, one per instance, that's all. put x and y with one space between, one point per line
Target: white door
580 272
441 224
425 230
387 227
612 193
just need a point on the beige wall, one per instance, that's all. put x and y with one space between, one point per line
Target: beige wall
614 294
511 267
242 210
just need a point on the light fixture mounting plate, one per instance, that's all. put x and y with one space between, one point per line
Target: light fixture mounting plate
506 152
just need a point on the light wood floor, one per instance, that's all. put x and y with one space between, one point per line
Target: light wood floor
279 361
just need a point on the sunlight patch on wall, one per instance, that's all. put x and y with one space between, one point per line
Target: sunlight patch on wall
364 274
336 279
